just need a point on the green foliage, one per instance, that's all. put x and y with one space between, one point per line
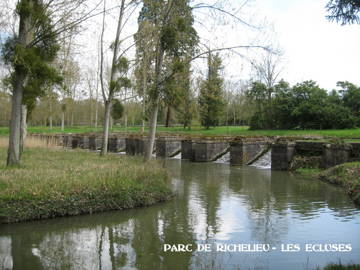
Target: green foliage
122 65
117 110
33 60
211 93
122 81
164 29
344 11
304 106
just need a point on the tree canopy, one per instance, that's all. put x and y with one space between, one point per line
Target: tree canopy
344 11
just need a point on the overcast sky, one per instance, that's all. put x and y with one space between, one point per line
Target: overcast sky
314 47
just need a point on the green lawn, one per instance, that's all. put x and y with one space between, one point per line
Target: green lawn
218 131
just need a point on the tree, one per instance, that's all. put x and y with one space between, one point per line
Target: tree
211 93
351 98
170 24
30 63
344 11
257 96
186 101
118 79
32 48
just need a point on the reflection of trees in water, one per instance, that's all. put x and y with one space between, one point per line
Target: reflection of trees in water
135 238
273 198
6 262
206 191
267 220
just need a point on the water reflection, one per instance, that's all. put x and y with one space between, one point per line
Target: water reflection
215 203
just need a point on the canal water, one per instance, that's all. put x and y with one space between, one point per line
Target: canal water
245 218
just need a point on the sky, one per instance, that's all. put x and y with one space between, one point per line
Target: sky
314 47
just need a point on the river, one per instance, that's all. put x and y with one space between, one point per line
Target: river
231 211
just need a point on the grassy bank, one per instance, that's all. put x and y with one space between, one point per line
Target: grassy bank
197 130
55 182
346 175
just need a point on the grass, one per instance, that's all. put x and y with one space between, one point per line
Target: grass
346 175
197 130
308 172
54 182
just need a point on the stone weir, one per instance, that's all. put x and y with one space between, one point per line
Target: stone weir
204 149
290 155
246 150
287 153
168 146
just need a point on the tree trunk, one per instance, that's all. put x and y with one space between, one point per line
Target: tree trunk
143 118
110 97
142 126
23 133
152 130
72 118
154 105
62 121
106 128
125 122
96 114
168 117
15 122
50 122
24 38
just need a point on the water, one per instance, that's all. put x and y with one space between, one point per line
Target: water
214 204
264 162
224 159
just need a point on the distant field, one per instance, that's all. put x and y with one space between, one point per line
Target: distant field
233 131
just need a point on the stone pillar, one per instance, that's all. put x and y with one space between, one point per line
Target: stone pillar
84 142
187 151
69 138
246 152
135 145
355 152
75 141
130 143
236 153
335 154
282 155
59 139
95 142
116 144
140 145
207 150
168 147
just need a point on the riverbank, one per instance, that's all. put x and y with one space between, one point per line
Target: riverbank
55 182
198 130
346 175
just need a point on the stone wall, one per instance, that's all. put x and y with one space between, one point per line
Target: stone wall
168 146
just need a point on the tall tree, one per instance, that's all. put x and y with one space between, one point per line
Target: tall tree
118 79
211 93
33 47
29 57
173 36
344 11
